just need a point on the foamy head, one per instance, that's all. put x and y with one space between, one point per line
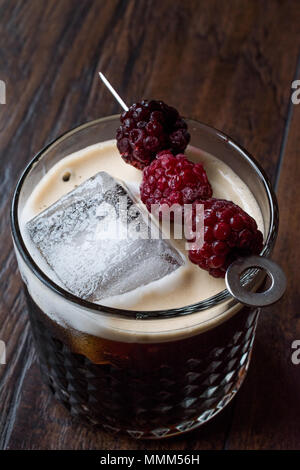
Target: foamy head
186 286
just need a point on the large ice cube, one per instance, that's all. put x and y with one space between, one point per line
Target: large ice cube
96 240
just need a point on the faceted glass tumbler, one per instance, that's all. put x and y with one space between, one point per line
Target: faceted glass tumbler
147 374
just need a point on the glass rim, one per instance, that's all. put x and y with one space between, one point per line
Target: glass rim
210 302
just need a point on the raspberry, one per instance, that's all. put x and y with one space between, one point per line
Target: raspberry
173 179
229 232
147 128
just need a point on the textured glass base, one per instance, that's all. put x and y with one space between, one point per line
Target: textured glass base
196 422
182 388
161 432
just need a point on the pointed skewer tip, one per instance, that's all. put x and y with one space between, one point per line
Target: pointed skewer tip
113 91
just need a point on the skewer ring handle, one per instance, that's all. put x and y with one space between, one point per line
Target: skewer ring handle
255 299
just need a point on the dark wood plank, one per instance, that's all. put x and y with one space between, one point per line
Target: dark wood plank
268 409
225 63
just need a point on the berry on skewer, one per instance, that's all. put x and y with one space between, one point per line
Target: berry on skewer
152 137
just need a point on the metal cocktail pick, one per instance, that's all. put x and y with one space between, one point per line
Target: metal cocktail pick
235 270
113 92
255 299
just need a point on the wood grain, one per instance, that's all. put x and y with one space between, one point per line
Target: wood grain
267 414
227 63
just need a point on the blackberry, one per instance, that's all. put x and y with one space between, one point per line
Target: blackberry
173 179
229 232
147 128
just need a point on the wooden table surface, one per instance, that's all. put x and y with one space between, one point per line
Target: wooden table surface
227 63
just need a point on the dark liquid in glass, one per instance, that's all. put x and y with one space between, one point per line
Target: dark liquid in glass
148 390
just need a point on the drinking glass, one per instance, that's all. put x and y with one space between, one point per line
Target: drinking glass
150 374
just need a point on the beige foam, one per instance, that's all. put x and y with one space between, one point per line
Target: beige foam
188 286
